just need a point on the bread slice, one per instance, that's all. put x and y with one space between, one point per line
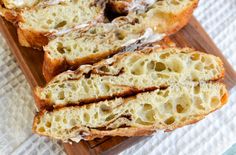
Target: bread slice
69 52
106 39
129 73
162 109
55 18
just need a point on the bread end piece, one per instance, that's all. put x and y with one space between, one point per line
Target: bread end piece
174 22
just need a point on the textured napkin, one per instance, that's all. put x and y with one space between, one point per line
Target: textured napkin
216 133
213 135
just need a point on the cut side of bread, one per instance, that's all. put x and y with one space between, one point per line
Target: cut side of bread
106 39
162 109
99 42
129 73
57 17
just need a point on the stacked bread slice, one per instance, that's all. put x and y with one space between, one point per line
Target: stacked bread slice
40 22
53 17
143 114
149 24
130 72
138 92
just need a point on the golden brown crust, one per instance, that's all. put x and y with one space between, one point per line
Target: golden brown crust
182 19
31 38
130 131
10 15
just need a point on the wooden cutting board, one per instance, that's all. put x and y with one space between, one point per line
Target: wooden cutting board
30 61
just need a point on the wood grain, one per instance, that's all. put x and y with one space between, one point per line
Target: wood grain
30 61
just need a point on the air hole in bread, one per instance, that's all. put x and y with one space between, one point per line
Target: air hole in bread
106 87
151 65
41 129
73 86
105 108
60 48
104 69
203 59
194 76
176 65
170 120
111 14
199 66
168 107
61 24
48 124
110 117
147 107
57 118
150 116
197 89
61 95
163 76
86 117
175 2
137 69
215 102
160 66
96 115
210 67
65 121
120 35
198 103
49 21
183 104
179 108
139 121
195 56
165 55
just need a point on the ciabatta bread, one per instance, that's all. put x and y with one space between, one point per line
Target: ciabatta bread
146 24
70 52
55 18
162 109
129 73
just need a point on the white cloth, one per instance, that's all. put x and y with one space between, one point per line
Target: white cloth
211 136
216 133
